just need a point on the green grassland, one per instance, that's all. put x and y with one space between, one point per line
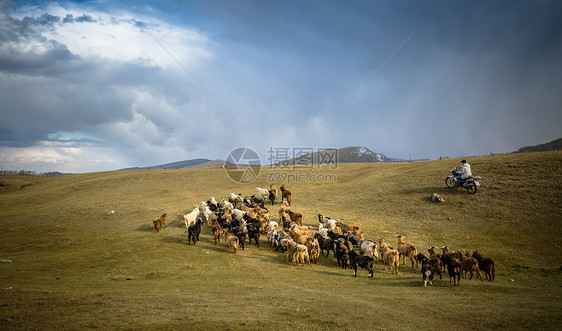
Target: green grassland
75 266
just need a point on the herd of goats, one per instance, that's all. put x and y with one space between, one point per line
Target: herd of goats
238 218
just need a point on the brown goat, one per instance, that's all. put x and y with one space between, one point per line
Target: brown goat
432 253
285 194
217 230
160 222
455 256
295 217
434 256
486 264
345 228
470 264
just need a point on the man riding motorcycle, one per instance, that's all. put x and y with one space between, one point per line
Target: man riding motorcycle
463 178
464 172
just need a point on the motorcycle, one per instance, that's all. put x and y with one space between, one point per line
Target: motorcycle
471 184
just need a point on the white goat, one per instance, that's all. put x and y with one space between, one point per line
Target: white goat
327 223
323 231
263 193
272 225
191 218
369 248
207 212
239 214
226 204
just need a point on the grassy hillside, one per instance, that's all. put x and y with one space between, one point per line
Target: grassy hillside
75 266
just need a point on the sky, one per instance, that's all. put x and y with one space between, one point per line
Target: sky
102 85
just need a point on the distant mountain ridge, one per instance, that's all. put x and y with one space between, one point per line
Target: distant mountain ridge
354 154
174 165
214 163
342 155
554 145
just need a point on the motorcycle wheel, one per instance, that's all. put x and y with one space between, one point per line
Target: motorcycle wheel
450 182
471 188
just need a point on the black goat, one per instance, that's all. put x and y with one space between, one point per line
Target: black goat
241 238
251 221
336 236
279 243
428 268
271 197
361 261
325 244
253 233
342 256
258 201
193 232
213 207
454 268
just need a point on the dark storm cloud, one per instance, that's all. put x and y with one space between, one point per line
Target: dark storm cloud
130 104
49 89
69 18
476 77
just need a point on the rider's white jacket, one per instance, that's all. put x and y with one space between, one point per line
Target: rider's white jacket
465 171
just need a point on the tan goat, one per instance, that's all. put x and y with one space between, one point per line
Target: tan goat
313 248
391 258
407 250
230 241
381 247
282 210
296 253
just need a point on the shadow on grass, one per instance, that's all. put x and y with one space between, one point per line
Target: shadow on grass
146 228
445 192
218 247
181 240
178 222
337 272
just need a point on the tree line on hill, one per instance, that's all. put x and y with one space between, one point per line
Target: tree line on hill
554 145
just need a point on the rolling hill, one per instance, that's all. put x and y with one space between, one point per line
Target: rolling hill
85 254
554 145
